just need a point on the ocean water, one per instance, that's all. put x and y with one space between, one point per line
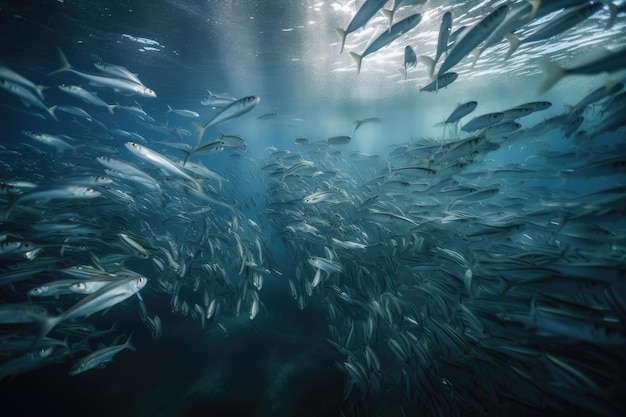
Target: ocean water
415 270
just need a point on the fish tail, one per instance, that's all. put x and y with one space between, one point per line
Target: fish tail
186 156
342 34
169 108
430 64
47 323
65 64
112 107
40 89
553 74
403 71
199 185
440 124
389 15
536 4
569 109
358 59
475 54
515 43
51 110
128 343
201 128
613 14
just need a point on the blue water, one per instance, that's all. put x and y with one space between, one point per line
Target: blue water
281 363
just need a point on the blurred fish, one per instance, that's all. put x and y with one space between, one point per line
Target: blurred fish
100 357
564 21
614 61
410 61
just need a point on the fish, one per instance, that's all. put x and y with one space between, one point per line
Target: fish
27 96
99 357
386 38
560 23
10 75
217 101
232 111
318 196
183 112
338 140
410 61
598 94
483 121
53 288
117 71
472 37
441 82
118 84
363 122
362 16
611 62
21 313
106 297
160 161
35 359
45 194
86 96
461 111
59 144
135 247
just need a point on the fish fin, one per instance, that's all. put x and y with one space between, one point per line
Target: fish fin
515 43
609 85
613 14
65 64
440 124
342 34
475 54
403 71
430 64
536 4
51 110
39 89
112 107
201 128
569 109
358 59
553 74
169 109
47 323
389 15
128 343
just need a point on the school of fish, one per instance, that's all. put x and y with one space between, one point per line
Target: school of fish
452 284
